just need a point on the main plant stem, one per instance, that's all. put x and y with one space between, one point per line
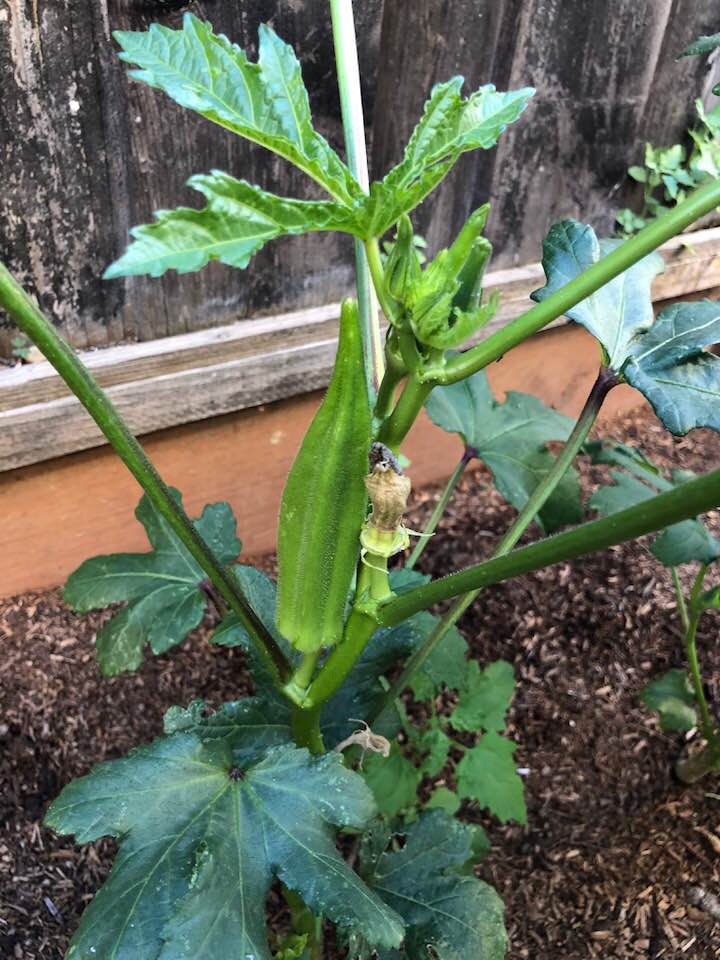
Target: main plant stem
606 380
348 74
38 328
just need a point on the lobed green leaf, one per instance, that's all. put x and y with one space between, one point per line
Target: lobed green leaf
487 774
486 699
238 220
202 833
163 588
265 102
510 438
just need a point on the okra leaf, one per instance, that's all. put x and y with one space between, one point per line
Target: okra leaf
487 774
450 126
448 915
670 366
486 699
686 542
704 44
618 311
672 697
202 834
436 746
393 780
247 726
444 799
236 222
510 439
163 588
265 102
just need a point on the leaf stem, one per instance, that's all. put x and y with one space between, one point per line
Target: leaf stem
605 381
38 328
684 502
696 205
348 74
440 508
682 606
394 430
707 726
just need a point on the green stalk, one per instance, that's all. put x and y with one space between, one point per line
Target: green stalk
682 606
707 725
692 498
348 74
605 381
702 201
440 508
38 328
394 430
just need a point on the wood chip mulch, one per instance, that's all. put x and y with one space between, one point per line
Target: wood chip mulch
615 848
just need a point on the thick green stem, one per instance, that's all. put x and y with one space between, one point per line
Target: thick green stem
439 510
348 74
605 381
38 328
305 725
372 250
396 427
702 201
692 498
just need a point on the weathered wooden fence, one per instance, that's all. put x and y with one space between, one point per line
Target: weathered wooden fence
88 153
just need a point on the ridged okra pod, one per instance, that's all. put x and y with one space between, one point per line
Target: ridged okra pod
325 502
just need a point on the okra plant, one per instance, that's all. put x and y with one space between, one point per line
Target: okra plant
310 785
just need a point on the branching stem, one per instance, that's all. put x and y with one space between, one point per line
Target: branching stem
440 508
38 328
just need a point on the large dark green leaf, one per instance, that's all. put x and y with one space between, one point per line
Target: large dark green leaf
686 542
202 833
448 916
670 366
237 221
266 102
163 588
619 310
672 697
510 438
246 726
450 126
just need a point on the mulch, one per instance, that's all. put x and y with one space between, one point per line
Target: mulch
614 845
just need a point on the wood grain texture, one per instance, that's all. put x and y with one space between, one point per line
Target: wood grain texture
195 376
606 81
87 153
56 514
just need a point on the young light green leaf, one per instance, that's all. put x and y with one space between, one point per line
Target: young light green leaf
710 599
436 746
450 126
163 588
486 699
265 102
487 774
443 799
619 310
672 697
686 542
703 45
201 837
510 438
670 366
448 916
236 222
393 781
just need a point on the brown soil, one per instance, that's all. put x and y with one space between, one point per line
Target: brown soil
613 843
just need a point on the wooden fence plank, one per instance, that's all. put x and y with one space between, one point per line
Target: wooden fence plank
195 376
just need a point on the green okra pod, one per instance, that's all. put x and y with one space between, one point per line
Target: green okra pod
325 502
